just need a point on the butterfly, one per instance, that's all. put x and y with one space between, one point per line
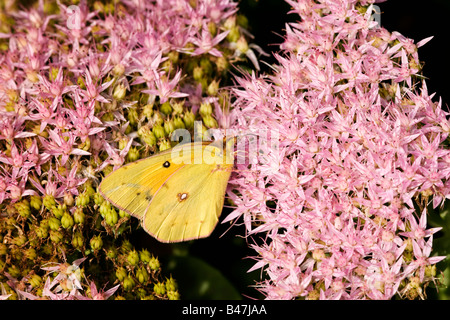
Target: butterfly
178 193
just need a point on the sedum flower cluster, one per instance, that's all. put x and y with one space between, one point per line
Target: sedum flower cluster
84 88
339 197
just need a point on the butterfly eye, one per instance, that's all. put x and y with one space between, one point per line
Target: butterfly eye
166 164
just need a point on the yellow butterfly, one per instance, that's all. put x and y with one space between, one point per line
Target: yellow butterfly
178 193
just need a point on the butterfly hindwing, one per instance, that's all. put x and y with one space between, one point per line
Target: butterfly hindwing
185 211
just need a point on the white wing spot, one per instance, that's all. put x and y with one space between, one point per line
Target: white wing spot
182 196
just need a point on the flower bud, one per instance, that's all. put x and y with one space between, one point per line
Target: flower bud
173 295
145 256
35 202
158 131
123 214
30 254
169 127
19 240
128 284
121 273
3 249
142 275
154 264
14 271
178 123
68 199
205 109
67 220
189 119
49 201
234 34
147 111
104 208
157 118
171 284
119 92
213 88
111 253
54 223
126 246
133 258
56 236
98 199
23 207
133 116
35 280
96 243
198 73
78 215
77 240
111 217
165 145
147 136
133 154
178 108
166 108
159 288
58 211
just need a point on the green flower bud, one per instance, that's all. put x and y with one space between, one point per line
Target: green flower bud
189 119
242 45
147 136
111 217
128 284
133 154
164 145
14 271
19 240
119 298
173 295
178 108
54 223
126 246
96 243
58 211
35 202
77 240
171 284
98 199
78 215
49 201
157 118
133 258
205 109
123 214
198 73
67 221
147 111
154 264
104 208
212 28
142 275
121 274
213 88
82 199
173 56
35 280
111 253
145 256
166 108
234 34
119 92
56 236
123 142
159 288
133 116
178 123
222 64
210 122
30 254
158 131
207 66
169 127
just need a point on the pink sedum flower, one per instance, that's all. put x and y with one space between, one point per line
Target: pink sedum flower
354 146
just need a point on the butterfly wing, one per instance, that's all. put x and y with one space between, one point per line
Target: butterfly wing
132 187
189 203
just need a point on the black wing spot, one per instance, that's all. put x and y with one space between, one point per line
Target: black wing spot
138 193
166 164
